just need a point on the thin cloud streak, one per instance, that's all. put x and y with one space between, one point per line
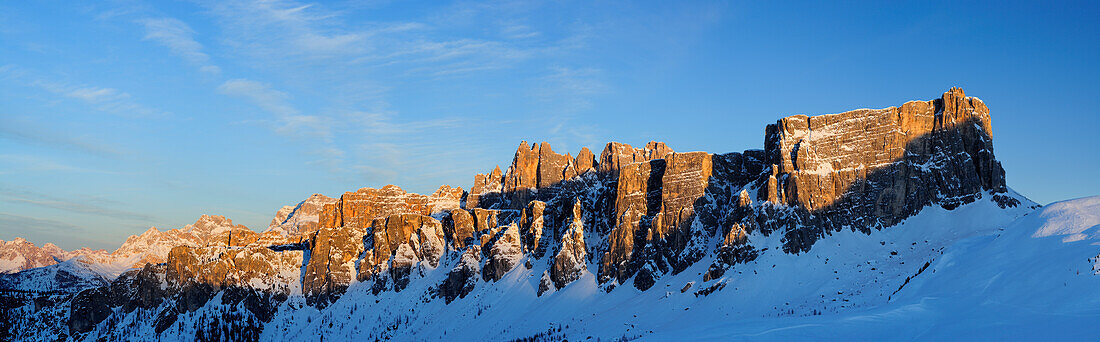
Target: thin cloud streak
80 207
260 94
32 164
178 37
28 134
300 45
288 120
20 223
104 99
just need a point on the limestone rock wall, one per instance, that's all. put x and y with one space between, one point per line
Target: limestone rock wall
655 206
534 167
360 208
258 268
330 269
616 155
399 242
871 168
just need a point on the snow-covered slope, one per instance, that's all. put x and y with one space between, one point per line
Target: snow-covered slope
1032 279
942 274
68 276
849 278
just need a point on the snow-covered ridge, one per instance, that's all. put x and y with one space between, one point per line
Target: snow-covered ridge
19 254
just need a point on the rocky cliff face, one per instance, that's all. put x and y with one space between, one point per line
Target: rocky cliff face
153 245
258 268
630 216
360 208
872 168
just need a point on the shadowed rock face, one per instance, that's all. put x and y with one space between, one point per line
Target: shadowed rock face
505 252
533 227
459 227
464 277
655 206
872 168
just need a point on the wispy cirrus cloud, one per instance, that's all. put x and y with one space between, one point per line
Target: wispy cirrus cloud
341 56
27 133
88 207
178 37
288 119
260 94
280 32
19 222
103 99
23 163
384 123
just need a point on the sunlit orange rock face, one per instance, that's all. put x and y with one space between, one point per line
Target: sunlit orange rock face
255 267
656 199
391 217
617 155
360 208
534 166
408 238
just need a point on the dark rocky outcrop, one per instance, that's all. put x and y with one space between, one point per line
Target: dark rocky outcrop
459 228
464 277
655 208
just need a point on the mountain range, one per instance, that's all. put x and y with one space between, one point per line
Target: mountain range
882 224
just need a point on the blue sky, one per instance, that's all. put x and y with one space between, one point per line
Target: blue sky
120 115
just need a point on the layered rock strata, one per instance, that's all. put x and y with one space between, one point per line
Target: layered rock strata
869 168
